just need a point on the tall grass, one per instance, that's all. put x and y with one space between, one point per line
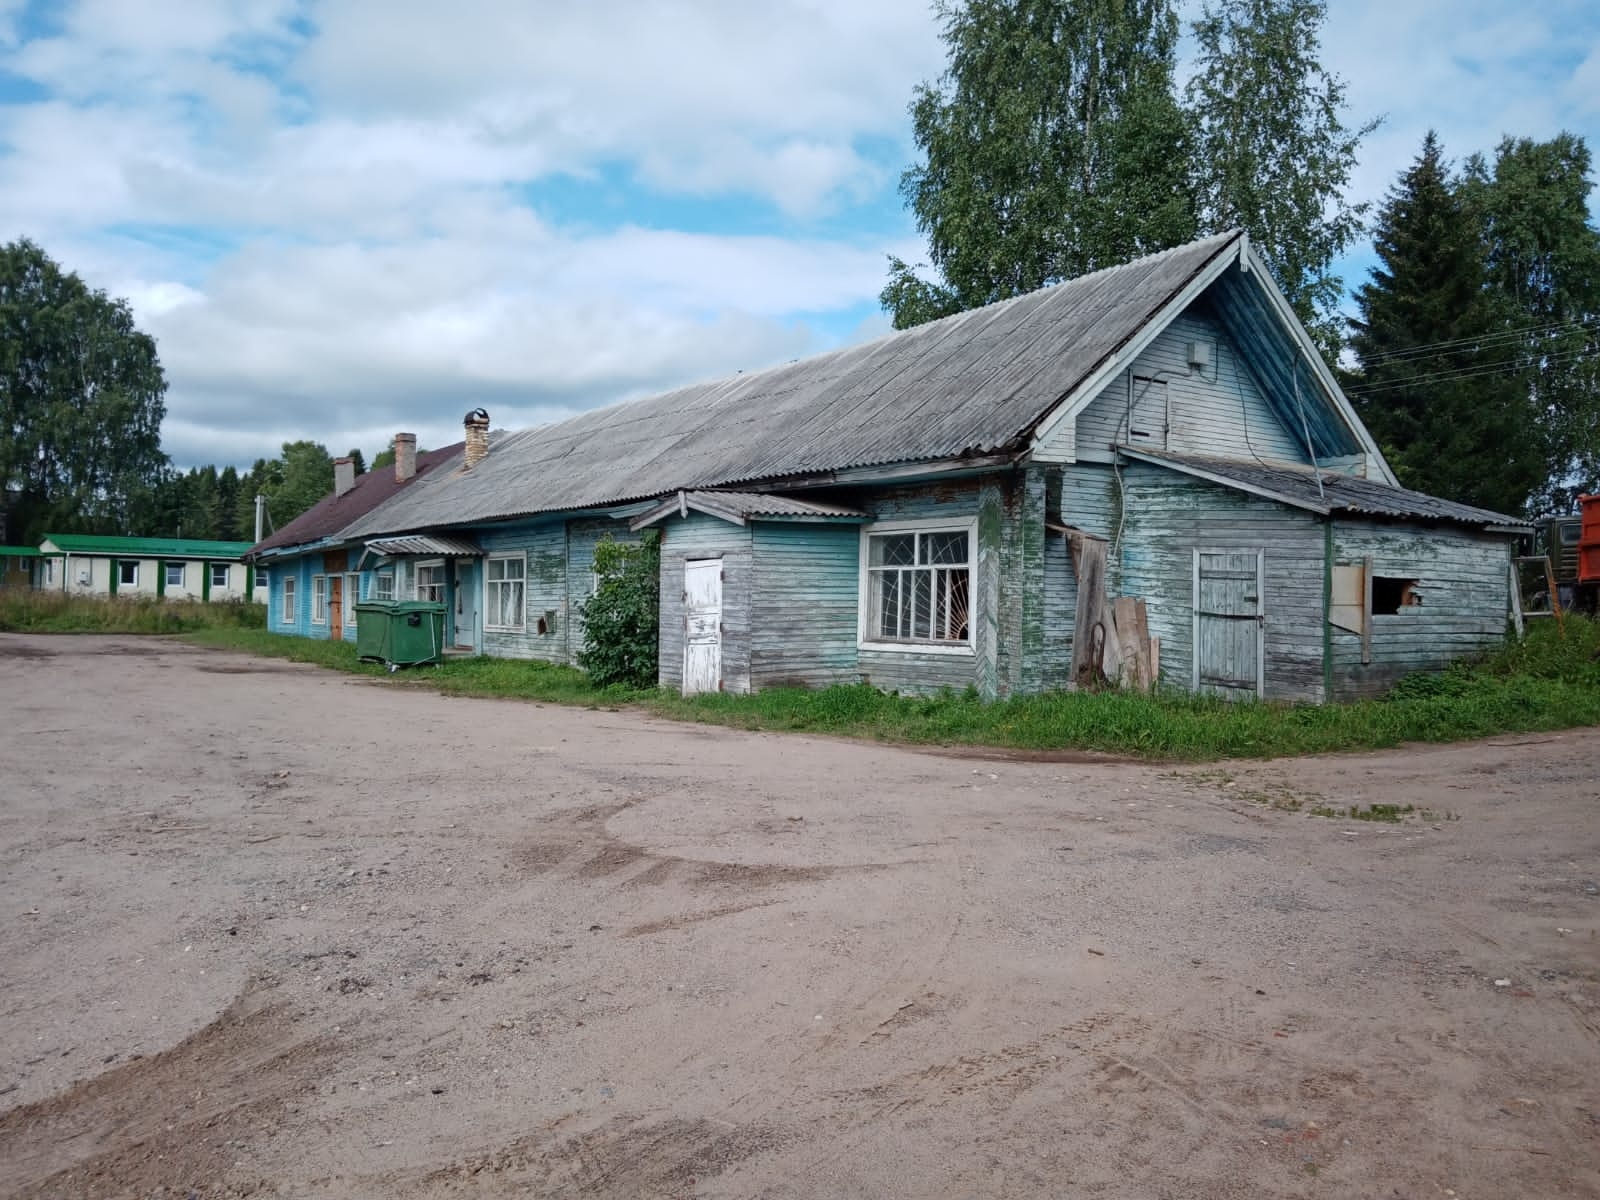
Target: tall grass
28 611
1542 683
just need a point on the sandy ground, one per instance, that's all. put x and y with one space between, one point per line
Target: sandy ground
267 931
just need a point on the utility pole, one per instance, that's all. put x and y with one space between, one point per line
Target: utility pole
261 508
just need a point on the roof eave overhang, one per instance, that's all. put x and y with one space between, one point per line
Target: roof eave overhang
1253 264
1227 481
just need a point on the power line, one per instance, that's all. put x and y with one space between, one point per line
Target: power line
1475 371
1434 349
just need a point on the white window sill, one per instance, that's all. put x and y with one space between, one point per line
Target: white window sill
505 629
960 651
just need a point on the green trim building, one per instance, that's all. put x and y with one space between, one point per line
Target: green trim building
175 568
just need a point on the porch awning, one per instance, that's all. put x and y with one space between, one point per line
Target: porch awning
434 547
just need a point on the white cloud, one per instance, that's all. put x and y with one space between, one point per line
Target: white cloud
336 218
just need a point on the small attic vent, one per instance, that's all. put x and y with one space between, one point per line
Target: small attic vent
1199 355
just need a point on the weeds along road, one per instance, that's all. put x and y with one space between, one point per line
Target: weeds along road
269 931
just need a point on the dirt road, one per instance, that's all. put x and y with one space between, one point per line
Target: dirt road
268 931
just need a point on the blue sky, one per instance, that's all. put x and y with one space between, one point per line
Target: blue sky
343 218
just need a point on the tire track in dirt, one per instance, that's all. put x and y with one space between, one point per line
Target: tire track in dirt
173 1120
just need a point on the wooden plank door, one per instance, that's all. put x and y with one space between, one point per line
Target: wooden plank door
336 607
1229 622
466 597
702 626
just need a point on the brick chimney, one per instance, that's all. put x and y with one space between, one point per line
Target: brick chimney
476 424
405 456
344 475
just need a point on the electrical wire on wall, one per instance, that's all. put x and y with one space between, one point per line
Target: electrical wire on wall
1305 428
1244 403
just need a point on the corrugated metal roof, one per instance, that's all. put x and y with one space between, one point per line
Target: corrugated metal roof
332 513
19 552
741 506
765 504
1338 493
135 547
446 547
972 383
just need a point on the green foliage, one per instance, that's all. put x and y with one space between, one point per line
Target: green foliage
1272 154
1542 258
1544 682
621 621
81 402
27 611
1053 145
1438 386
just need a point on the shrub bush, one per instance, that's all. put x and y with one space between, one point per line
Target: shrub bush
621 621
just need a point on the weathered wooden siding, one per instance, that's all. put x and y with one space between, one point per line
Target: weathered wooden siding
804 604
1168 516
1060 594
700 536
545 589
1462 579
1219 410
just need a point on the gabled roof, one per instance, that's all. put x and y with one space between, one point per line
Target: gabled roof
739 507
972 384
135 547
332 513
1299 487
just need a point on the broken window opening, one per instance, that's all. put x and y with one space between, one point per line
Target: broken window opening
1390 594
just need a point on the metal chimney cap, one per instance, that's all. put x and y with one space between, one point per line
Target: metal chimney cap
478 416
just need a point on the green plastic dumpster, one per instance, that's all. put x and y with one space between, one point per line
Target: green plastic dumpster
416 633
374 630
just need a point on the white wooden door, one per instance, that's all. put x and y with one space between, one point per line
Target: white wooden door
1229 622
702 626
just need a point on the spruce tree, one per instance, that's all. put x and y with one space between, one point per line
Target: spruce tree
1437 387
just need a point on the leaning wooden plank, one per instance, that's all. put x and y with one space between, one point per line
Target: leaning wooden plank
1088 634
1141 616
1125 616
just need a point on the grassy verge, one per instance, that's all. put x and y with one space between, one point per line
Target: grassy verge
1540 684
24 611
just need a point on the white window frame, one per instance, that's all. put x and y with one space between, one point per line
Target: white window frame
319 599
183 574
351 595
417 584
379 580
489 607
128 562
287 601
226 573
867 617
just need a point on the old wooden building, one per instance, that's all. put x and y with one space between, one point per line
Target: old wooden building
904 512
